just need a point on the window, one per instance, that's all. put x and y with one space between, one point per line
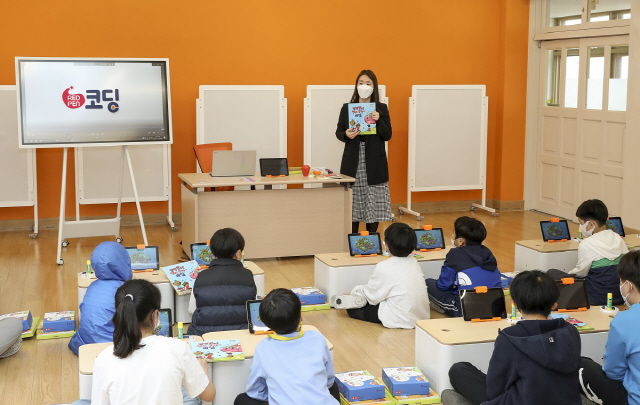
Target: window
561 13
553 77
595 78
572 70
564 12
618 77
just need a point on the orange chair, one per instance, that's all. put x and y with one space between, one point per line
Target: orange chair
204 154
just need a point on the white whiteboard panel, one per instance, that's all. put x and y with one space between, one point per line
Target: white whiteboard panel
97 171
250 117
321 111
17 166
447 138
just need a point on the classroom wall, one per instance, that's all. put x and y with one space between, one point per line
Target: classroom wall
292 43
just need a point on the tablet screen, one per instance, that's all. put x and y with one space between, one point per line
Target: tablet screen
201 253
164 323
483 305
364 245
573 296
253 313
615 224
555 230
143 259
274 167
432 239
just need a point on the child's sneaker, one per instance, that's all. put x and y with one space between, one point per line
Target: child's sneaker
348 301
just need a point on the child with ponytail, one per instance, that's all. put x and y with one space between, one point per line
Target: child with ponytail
141 367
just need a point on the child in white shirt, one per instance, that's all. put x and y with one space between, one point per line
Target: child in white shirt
141 368
396 294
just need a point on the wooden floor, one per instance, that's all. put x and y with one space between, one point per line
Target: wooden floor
46 372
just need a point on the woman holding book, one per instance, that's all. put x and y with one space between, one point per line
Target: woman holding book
140 368
364 155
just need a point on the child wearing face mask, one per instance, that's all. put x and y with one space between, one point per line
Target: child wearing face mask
365 157
616 382
598 254
469 265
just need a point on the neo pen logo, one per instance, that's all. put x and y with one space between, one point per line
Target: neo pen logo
96 97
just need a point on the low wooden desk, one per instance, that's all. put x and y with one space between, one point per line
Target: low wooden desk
338 273
158 278
442 342
230 378
181 312
86 359
274 223
539 255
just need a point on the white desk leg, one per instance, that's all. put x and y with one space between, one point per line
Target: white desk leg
435 359
340 280
182 308
230 379
85 385
529 259
431 268
167 296
259 280
593 345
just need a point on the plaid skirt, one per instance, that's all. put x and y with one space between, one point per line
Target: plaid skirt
370 203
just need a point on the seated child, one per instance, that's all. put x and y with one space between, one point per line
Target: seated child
535 361
469 265
112 266
219 296
598 254
617 381
140 368
395 294
289 367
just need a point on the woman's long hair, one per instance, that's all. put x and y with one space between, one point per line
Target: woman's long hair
375 96
136 301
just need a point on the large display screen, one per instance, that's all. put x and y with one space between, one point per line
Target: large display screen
93 102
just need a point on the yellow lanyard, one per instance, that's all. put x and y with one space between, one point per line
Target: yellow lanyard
284 338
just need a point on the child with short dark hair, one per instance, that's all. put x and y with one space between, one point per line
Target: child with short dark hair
395 295
598 254
468 266
219 296
292 366
617 381
536 361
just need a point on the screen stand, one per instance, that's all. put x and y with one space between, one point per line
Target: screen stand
94 227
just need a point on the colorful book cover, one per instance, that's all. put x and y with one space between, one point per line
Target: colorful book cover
218 350
31 332
309 295
431 398
24 317
405 381
360 385
573 321
62 321
360 118
316 307
182 276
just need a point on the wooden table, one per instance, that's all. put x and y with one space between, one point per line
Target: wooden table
87 357
274 223
338 273
539 255
442 342
179 304
230 378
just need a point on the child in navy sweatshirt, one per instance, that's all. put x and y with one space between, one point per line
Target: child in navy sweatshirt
469 265
536 361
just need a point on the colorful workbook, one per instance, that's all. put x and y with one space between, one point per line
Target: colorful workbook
182 276
387 400
360 118
309 295
23 316
218 350
431 398
34 326
62 321
575 322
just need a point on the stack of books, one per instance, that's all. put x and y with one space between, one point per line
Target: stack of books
29 322
57 325
408 386
311 298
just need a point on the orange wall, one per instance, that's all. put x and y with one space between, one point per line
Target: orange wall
293 43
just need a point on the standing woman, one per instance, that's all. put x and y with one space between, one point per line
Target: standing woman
365 157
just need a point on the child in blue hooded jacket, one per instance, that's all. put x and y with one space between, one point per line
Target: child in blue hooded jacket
468 266
112 266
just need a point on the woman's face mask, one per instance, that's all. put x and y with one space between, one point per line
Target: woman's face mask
365 91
